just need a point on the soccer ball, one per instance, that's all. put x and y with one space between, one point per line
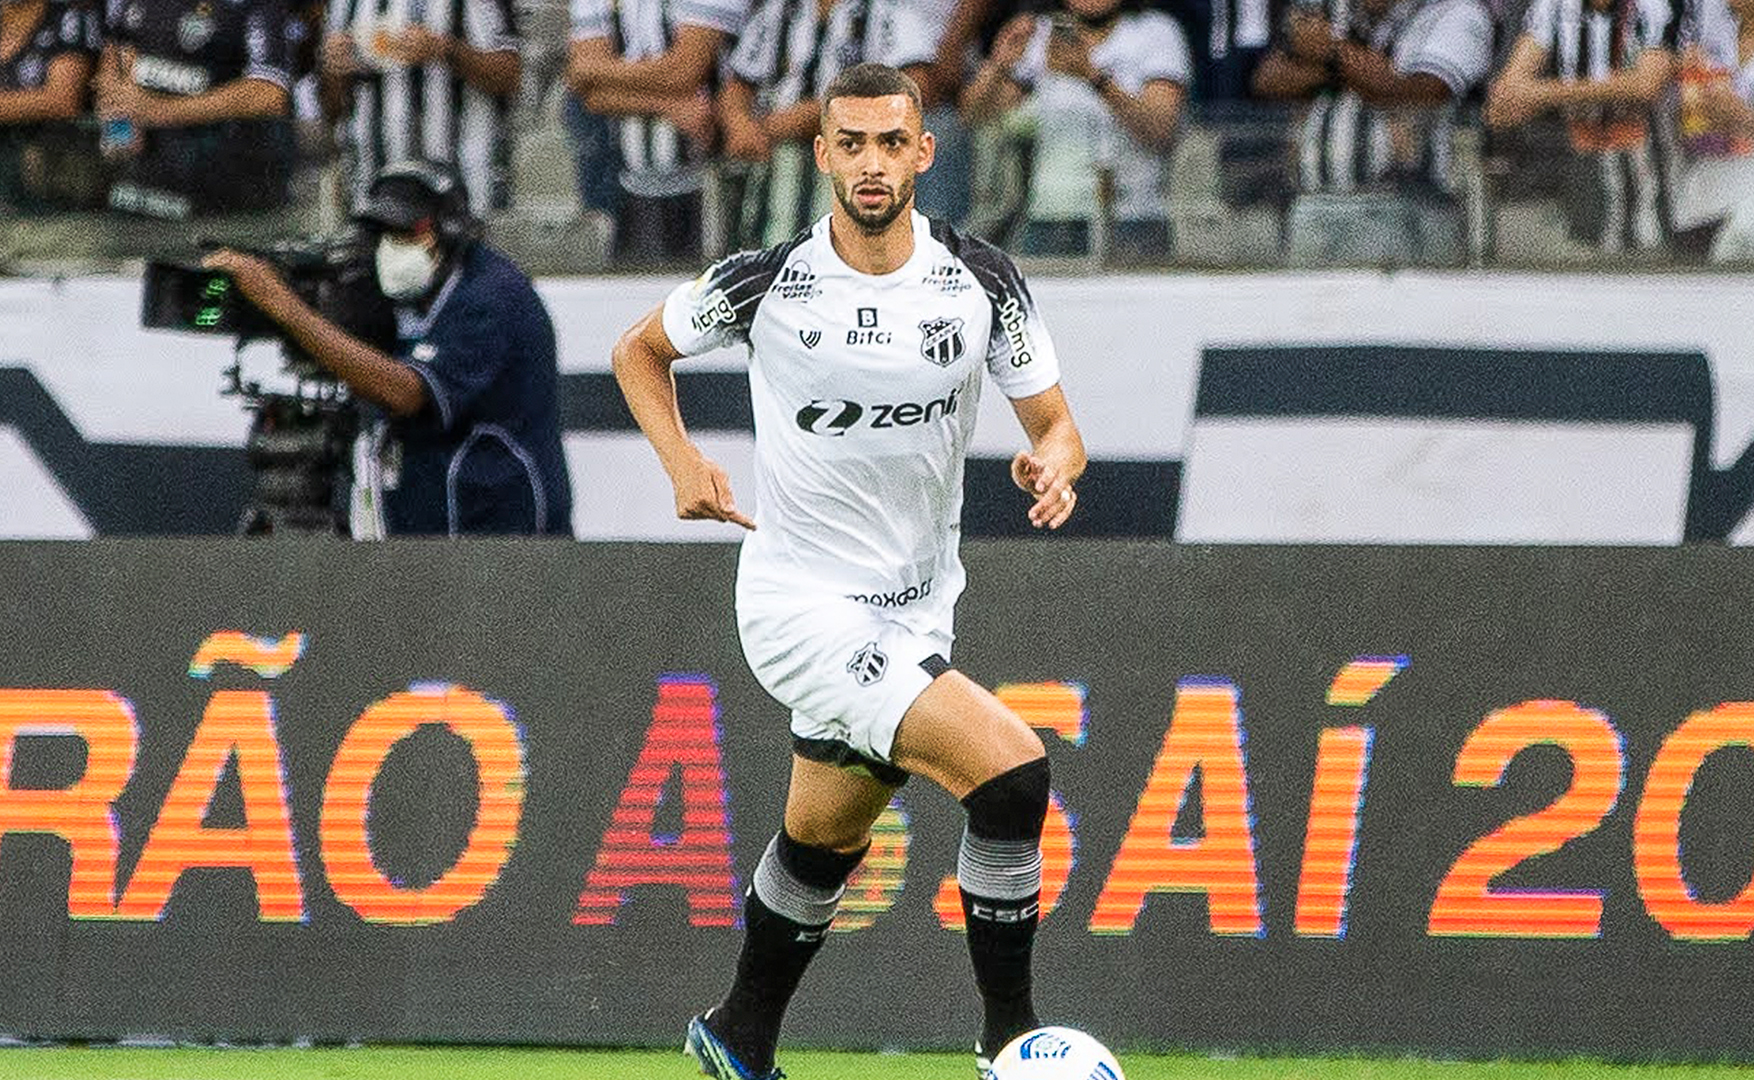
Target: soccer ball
1055 1053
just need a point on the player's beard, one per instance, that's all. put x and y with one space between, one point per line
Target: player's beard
874 221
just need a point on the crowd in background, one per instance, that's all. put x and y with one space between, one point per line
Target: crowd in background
1637 116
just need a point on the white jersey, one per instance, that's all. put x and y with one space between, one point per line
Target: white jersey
864 390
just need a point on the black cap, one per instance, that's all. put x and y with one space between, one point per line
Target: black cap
397 203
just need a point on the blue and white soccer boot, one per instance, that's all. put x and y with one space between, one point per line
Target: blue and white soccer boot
715 1058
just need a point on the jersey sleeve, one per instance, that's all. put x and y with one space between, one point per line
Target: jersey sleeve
902 34
1542 22
1451 40
1020 354
464 353
716 309
1160 53
267 53
1656 27
491 25
724 16
755 57
589 19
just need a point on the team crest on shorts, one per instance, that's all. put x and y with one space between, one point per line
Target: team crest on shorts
941 342
868 665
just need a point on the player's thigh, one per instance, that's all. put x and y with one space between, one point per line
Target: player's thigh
831 807
958 735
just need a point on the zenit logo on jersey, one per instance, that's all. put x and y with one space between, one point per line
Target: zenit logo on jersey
838 417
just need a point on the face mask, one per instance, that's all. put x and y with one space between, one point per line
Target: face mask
405 270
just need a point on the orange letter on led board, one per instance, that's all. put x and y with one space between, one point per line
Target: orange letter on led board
240 723
487 727
1205 733
684 736
1331 837
1656 831
79 814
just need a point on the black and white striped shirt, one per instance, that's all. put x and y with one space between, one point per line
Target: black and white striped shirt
788 52
429 111
1347 145
657 162
1586 42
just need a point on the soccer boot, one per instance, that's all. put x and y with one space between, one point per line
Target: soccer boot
715 1058
983 1064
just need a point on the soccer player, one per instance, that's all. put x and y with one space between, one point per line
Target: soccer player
867 336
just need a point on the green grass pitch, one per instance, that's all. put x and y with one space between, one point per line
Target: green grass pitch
438 1063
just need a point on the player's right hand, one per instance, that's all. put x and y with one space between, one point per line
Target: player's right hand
703 493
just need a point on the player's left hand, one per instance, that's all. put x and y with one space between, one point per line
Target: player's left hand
1054 496
255 277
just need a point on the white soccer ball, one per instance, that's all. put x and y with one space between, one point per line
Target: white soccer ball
1055 1053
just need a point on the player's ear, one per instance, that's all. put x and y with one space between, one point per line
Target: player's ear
928 151
821 145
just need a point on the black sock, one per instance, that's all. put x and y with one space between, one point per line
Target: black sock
1001 948
805 882
999 871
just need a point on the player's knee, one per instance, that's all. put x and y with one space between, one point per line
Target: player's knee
820 867
826 834
1012 805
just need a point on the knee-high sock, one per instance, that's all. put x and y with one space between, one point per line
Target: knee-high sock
786 915
999 872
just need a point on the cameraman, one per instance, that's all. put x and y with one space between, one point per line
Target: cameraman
471 439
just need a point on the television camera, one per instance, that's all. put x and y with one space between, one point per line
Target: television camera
299 441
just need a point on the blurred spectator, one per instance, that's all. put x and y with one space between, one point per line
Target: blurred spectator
193 96
424 78
1603 64
1230 39
1714 196
1104 83
47 50
651 63
1375 151
786 55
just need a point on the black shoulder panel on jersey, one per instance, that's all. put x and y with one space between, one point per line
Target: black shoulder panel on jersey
746 276
990 266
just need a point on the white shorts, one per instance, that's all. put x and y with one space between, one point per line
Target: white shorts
848 670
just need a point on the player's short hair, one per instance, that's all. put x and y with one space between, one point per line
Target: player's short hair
872 80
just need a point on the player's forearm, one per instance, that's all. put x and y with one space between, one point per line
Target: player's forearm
608 101
665 75
491 71
650 389
368 372
795 122
39 105
1283 77
241 99
1152 123
1632 86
